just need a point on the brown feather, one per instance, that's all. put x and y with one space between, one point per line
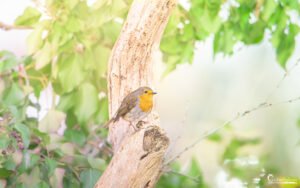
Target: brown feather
127 105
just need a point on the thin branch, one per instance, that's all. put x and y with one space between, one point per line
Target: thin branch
237 117
7 27
286 74
258 6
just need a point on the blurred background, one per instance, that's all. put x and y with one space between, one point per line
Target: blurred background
198 97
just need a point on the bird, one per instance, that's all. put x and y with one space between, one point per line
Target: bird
135 106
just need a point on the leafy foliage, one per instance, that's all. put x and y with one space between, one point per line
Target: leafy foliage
247 23
29 17
33 148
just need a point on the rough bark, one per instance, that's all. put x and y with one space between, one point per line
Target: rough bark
138 155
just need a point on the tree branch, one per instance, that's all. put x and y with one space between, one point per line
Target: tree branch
7 27
286 74
138 156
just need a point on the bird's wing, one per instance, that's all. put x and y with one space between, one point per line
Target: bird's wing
128 103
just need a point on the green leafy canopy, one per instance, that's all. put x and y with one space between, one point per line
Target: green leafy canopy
247 23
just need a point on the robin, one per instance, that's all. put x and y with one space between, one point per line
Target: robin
135 106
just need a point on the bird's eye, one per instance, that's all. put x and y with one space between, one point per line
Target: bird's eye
146 91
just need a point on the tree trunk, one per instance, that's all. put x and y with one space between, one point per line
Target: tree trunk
138 156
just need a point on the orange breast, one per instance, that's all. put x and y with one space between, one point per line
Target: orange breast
146 103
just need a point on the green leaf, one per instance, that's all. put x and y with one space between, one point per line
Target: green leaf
13 95
195 168
171 28
4 141
25 133
285 49
97 163
9 164
52 121
4 173
171 62
232 149
7 61
188 33
51 165
187 54
102 113
224 41
70 181
279 18
80 160
268 9
29 17
174 180
216 137
70 73
255 33
28 162
298 123
34 40
44 56
87 102
170 45
73 24
89 177
43 136
59 36
42 185
81 10
285 43
37 85
119 8
18 112
291 4
71 119
206 18
21 185
101 56
66 102
110 32
75 136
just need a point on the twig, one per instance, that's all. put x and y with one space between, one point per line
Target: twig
7 27
182 123
174 143
259 3
238 116
286 74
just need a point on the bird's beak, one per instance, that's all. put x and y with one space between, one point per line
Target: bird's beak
154 93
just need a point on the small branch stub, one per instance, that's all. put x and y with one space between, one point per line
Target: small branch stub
137 163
